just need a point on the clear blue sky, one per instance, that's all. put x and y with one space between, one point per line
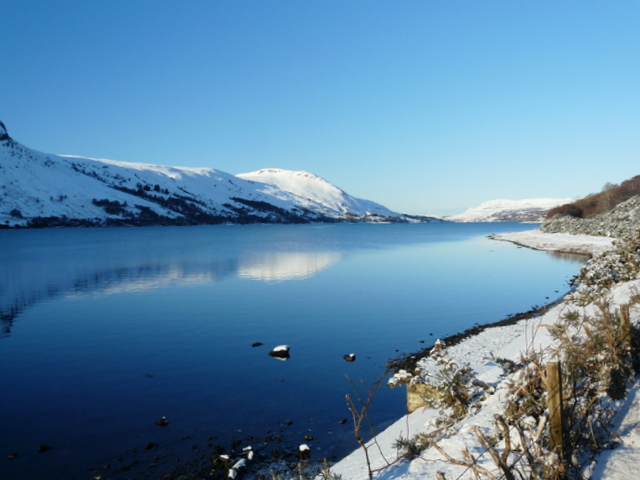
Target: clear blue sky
425 106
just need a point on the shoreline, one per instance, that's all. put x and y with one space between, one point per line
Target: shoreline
409 361
513 335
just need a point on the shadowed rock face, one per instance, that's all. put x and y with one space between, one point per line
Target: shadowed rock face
3 132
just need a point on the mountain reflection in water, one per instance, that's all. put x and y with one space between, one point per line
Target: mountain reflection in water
25 281
280 266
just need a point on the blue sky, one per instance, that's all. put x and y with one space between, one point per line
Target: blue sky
428 107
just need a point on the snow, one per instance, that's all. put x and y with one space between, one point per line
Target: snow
557 242
510 210
478 352
505 342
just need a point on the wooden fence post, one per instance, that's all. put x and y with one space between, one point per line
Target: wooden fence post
554 403
625 326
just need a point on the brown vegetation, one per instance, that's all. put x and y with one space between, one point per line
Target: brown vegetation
597 203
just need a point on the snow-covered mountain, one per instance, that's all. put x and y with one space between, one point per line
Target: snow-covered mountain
313 193
530 210
39 189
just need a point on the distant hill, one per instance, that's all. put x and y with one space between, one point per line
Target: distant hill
44 190
530 210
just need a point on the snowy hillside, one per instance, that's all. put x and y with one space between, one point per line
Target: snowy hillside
530 210
39 190
313 192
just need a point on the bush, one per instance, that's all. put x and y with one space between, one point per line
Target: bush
597 203
569 209
15 213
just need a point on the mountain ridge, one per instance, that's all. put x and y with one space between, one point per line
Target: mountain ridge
46 190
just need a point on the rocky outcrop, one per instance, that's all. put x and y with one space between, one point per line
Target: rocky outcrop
4 135
623 220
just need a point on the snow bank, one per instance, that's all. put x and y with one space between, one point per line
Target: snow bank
477 352
557 242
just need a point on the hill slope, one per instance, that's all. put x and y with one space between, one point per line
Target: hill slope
313 192
39 190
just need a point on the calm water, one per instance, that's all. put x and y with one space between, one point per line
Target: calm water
104 331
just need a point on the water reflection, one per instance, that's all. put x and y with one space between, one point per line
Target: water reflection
21 285
570 257
275 267
148 277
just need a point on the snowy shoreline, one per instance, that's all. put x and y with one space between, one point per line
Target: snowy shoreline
479 352
557 242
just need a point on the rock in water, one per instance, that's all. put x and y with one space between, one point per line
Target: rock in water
163 422
304 452
281 352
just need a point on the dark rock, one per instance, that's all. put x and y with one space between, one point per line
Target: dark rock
163 422
44 448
